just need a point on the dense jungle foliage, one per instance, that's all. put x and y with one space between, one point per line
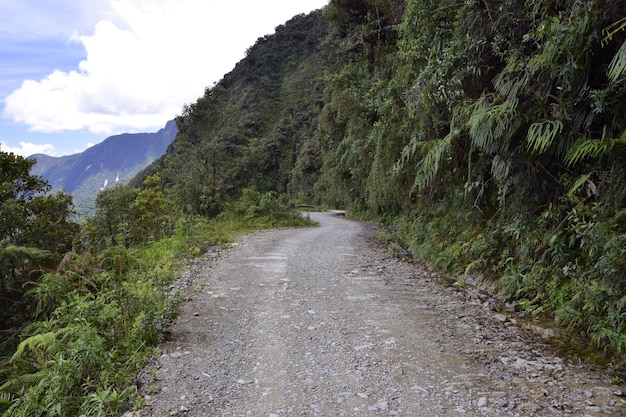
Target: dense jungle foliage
491 134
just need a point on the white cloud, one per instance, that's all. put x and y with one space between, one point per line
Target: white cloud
27 149
146 61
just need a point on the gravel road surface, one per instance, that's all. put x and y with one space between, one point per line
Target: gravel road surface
325 322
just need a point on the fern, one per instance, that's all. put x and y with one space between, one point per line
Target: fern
435 151
541 135
500 168
593 148
584 180
38 341
13 259
617 68
6 398
491 126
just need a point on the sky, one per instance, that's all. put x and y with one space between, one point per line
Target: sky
73 73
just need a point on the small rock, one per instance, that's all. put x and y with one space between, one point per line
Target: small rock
512 307
502 403
502 318
529 406
379 406
482 402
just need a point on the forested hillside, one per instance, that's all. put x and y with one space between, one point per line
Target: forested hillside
490 133
490 137
116 160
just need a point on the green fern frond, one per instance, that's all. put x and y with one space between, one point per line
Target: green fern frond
38 341
6 398
492 125
593 148
435 151
541 135
612 29
32 379
408 152
578 185
500 168
617 67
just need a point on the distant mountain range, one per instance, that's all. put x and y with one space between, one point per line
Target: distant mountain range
115 160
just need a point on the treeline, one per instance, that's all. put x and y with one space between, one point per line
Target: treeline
490 133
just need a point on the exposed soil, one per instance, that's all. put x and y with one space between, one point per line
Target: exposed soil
325 322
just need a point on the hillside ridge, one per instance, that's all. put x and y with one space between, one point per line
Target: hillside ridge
117 159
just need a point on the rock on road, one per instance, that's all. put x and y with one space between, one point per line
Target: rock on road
324 322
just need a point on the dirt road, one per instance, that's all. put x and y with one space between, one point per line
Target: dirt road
324 322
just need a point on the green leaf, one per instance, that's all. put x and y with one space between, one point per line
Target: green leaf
617 68
435 151
38 341
541 135
593 148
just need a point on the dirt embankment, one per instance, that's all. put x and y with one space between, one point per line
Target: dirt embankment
324 322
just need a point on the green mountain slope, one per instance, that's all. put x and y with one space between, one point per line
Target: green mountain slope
115 160
248 130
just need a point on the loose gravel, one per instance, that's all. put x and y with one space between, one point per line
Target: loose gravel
325 322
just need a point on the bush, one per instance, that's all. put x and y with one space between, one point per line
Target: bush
261 211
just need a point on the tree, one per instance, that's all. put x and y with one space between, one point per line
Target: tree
17 190
115 212
154 211
48 224
35 230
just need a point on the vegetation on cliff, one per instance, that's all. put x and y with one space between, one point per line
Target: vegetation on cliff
491 134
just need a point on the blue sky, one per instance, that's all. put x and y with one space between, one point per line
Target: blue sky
73 72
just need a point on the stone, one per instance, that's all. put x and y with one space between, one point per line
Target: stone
482 402
502 403
502 318
529 406
593 409
379 406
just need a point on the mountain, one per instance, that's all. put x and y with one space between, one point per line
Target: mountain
115 160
